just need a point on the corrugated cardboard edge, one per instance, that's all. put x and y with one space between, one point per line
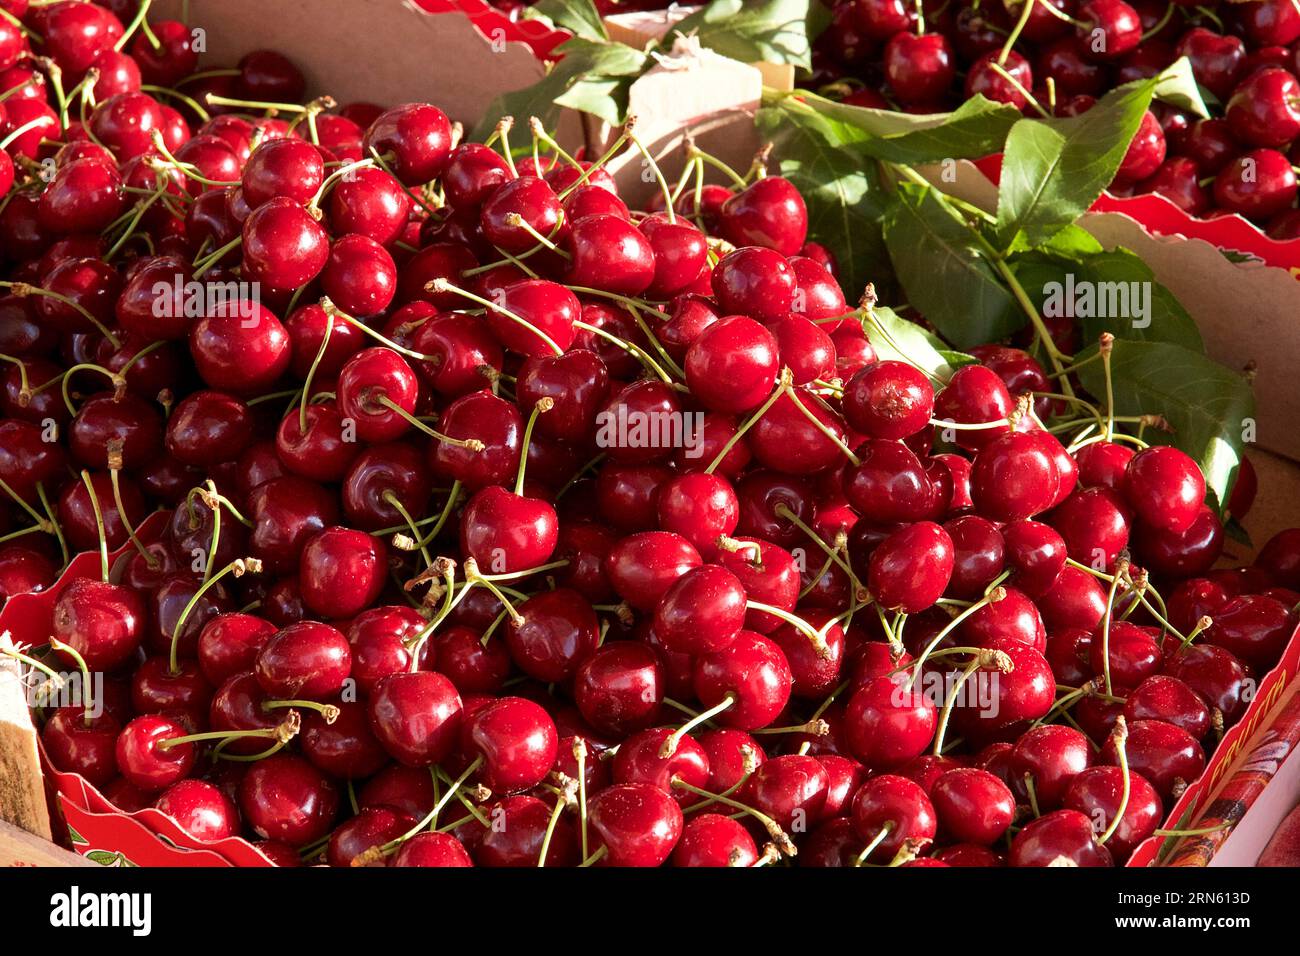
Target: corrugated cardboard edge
22 795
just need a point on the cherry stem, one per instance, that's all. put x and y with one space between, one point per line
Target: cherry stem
750 765
1202 624
83 669
815 636
29 125
544 405
639 353
427 822
311 373
820 425
99 525
503 127
993 597
416 538
694 152
951 700
749 422
21 289
1032 793
138 23
292 723
1017 30
52 522
473 444
540 135
771 826
878 839
519 222
658 174
201 266
42 522
1104 347
1120 568
114 477
671 741
343 172
328 711
238 568
472 576
580 756
335 312
441 284
1160 24
188 170
1002 71
1119 737
609 154
595 857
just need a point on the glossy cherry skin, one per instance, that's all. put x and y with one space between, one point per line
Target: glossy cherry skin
889 483
284 247
418 137
207 428
620 688
888 723
920 68
815 671
516 836
888 799
1258 184
972 805
416 717
146 764
974 395
1164 754
700 507
286 512
640 759
1164 487
558 632
755 282
505 532
288 167
104 623
517 741
1263 108
307 659
702 612
714 840
1166 698
889 399
371 203
489 419
342 571
769 575
731 366
1280 556
910 569
285 798
983 79
359 276
1024 694
1036 554
1013 618
1050 757
1098 791
242 349
432 850
202 810
754 671
791 789
979 555
637 824
82 745
642 567
372 827
229 644
770 213
577 382
1013 478
1095 524
1186 554
1062 835
397 469
1255 628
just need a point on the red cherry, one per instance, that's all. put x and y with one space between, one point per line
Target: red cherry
896 806
416 717
285 798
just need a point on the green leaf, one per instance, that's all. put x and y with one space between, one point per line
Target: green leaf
587 78
944 272
894 337
102 857
76 837
579 17
1053 170
977 128
1112 292
1073 241
1177 87
773 31
842 192
1206 403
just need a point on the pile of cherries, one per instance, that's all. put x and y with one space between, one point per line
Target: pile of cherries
1056 57
502 525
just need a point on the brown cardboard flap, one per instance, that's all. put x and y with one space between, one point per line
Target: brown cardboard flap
22 797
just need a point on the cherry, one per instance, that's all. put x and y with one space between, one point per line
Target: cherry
982 79
1024 694
791 790
307 659
242 349
1146 151
1133 652
1191 552
1280 556
359 276
769 575
207 428
972 805
815 669
1097 792
751 671
201 809
1263 110
229 644
102 622
75 34
285 798
679 250
1094 524
1257 184
1255 628
516 839
285 513
459 348
642 567
342 571
516 740
507 532
371 203
84 196
755 282
283 246
1165 698
911 568
77 743
418 137
535 204
1215 674
92 284
1061 837
1166 755
557 631
889 483
732 365
24 571
770 212
979 555
416 717
619 688
888 723
1049 757
896 808
889 400
645 757
609 253
1271 23
700 507
919 68
702 612
1110 29
433 850
1012 618
372 827
714 840
145 760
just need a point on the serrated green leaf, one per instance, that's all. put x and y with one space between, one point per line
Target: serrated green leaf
1073 241
1207 404
579 17
944 272
773 31
585 79
102 857
1053 170
977 128
842 192
1111 291
894 337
